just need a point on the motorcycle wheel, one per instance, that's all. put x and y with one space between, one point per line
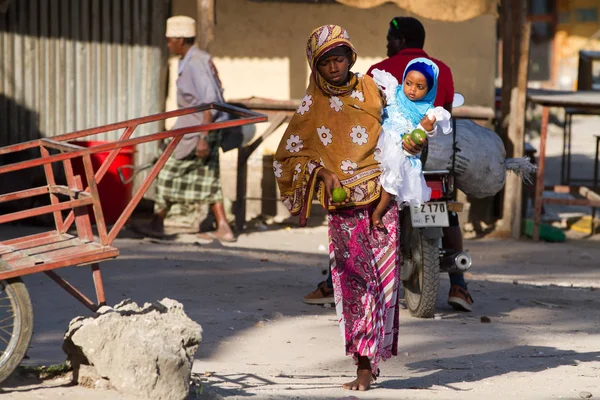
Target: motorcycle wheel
16 327
421 288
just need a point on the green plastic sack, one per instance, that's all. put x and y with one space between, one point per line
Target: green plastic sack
548 232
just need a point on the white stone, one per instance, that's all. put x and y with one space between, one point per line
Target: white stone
145 352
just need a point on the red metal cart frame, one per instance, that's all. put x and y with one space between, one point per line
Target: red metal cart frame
48 251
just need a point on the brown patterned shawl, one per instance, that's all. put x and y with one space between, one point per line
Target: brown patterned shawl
334 132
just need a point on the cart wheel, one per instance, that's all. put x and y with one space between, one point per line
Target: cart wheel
16 325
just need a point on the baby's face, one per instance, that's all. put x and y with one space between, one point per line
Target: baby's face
415 85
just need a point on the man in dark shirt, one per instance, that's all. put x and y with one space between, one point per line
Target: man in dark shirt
405 41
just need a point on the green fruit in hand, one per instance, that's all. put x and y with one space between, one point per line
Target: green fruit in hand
338 195
418 136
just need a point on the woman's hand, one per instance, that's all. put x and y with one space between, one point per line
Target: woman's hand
330 181
427 123
202 148
411 147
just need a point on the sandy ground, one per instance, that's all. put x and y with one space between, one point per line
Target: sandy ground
261 342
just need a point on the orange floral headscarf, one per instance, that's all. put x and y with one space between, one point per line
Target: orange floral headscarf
335 127
320 41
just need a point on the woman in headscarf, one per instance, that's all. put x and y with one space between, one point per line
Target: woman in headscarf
330 143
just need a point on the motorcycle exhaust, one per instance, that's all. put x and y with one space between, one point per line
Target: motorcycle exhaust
459 262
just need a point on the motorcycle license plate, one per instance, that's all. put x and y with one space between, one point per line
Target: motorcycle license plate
433 213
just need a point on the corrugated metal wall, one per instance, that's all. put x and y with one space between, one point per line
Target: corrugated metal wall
73 64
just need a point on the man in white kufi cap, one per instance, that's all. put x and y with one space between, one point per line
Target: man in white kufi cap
190 178
181 26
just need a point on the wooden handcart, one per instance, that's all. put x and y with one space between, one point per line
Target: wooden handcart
69 205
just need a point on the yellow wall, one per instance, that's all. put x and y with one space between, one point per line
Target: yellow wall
259 47
259 50
573 35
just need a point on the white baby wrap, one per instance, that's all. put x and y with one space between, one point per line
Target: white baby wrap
402 174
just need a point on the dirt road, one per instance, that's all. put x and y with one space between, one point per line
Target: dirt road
262 342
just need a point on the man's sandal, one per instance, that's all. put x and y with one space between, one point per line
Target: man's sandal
322 295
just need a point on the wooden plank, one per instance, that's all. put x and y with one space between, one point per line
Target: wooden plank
507 27
206 23
71 254
42 240
31 244
572 202
82 259
574 190
473 112
41 249
513 189
587 99
25 239
589 193
560 189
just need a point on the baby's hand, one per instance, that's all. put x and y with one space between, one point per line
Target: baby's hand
427 123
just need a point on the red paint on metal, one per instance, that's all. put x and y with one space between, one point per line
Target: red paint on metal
137 197
23 194
72 290
97 276
83 222
89 175
34 212
82 257
58 220
28 238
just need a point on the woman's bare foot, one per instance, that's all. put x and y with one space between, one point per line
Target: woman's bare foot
364 378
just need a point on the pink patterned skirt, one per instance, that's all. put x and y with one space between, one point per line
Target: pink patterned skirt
365 267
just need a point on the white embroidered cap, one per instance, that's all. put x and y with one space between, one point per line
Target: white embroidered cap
181 27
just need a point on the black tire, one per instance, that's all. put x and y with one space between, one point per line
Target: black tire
16 325
421 289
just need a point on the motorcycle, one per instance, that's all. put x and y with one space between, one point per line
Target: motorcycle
423 257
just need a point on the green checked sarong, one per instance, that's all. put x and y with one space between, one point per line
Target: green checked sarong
191 180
